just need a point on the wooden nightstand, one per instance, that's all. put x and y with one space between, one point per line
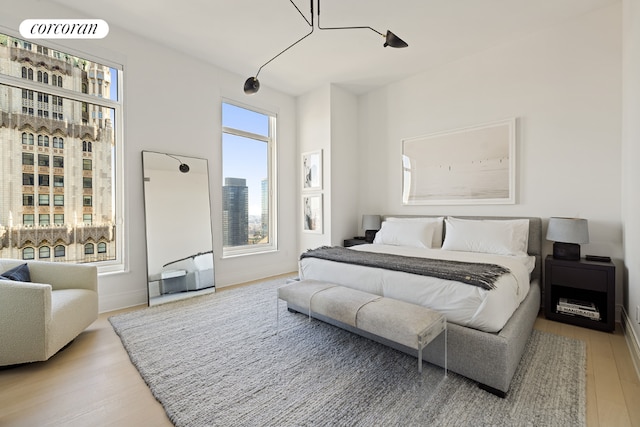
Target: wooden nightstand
353 242
588 281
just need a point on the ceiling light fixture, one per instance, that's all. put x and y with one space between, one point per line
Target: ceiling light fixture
252 84
184 168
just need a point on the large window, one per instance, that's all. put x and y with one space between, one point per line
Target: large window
248 179
78 101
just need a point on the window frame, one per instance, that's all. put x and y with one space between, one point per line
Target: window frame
121 261
272 173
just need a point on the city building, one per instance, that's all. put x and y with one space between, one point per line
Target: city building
56 179
235 212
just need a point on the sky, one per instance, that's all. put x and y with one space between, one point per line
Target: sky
244 157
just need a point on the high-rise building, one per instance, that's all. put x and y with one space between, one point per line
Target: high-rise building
56 171
235 212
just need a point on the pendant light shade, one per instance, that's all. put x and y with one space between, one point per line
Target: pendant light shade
394 41
251 85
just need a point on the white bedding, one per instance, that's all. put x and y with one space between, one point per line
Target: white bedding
462 304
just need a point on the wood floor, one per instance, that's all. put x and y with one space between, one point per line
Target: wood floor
93 383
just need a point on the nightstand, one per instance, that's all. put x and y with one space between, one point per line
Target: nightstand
585 281
353 242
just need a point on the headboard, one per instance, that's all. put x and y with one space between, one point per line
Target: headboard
535 236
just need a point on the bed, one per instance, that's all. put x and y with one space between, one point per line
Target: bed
489 323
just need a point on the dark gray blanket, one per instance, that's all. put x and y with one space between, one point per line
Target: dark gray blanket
471 273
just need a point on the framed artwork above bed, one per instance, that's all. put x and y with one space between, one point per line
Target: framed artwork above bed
473 165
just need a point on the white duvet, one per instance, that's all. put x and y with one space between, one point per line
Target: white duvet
461 303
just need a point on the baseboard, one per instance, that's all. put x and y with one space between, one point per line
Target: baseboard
632 340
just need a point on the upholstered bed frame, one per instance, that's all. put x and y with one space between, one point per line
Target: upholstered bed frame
490 359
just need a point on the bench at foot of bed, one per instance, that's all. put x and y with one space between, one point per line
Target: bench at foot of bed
401 322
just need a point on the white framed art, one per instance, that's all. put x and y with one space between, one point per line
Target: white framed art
473 165
312 213
312 171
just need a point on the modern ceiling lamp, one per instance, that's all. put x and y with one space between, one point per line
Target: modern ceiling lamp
252 84
183 167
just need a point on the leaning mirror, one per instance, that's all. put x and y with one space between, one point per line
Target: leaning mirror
178 226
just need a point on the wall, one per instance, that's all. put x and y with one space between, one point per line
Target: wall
344 165
631 171
564 86
314 133
328 121
174 120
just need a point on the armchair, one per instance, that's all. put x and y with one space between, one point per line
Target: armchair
40 317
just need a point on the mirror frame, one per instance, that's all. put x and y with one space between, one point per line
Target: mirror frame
183 281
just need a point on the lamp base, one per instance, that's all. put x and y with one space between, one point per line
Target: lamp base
566 251
369 235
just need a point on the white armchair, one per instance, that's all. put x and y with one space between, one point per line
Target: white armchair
40 317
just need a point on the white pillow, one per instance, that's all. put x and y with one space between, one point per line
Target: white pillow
404 233
501 237
436 241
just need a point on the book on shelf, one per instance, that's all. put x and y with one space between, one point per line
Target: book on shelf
575 303
574 311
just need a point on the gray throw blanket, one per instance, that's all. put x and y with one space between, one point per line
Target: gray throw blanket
471 273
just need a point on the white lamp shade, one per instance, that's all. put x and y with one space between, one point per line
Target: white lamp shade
568 230
371 222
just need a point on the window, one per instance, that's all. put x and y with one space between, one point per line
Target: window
88 249
59 251
27 138
27 179
86 164
87 201
27 159
102 248
44 219
248 150
44 252
28 253
43 160
40 91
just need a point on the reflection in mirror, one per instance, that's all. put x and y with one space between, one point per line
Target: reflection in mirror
178 226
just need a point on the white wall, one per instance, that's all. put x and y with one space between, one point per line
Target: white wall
344 165
564 86
314 133
631 159
328 120
172 104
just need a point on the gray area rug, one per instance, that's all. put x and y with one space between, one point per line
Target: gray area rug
216 360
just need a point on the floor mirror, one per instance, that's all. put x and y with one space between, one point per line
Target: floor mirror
178 226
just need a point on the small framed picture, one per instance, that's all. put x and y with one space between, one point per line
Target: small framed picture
312 170
312 213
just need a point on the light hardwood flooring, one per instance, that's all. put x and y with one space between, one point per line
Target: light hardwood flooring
93 383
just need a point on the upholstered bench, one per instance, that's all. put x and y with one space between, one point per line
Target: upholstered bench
408 324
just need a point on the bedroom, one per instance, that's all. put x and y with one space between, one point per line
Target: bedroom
569 100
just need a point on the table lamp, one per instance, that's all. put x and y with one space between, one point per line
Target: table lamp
370 225
567 235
